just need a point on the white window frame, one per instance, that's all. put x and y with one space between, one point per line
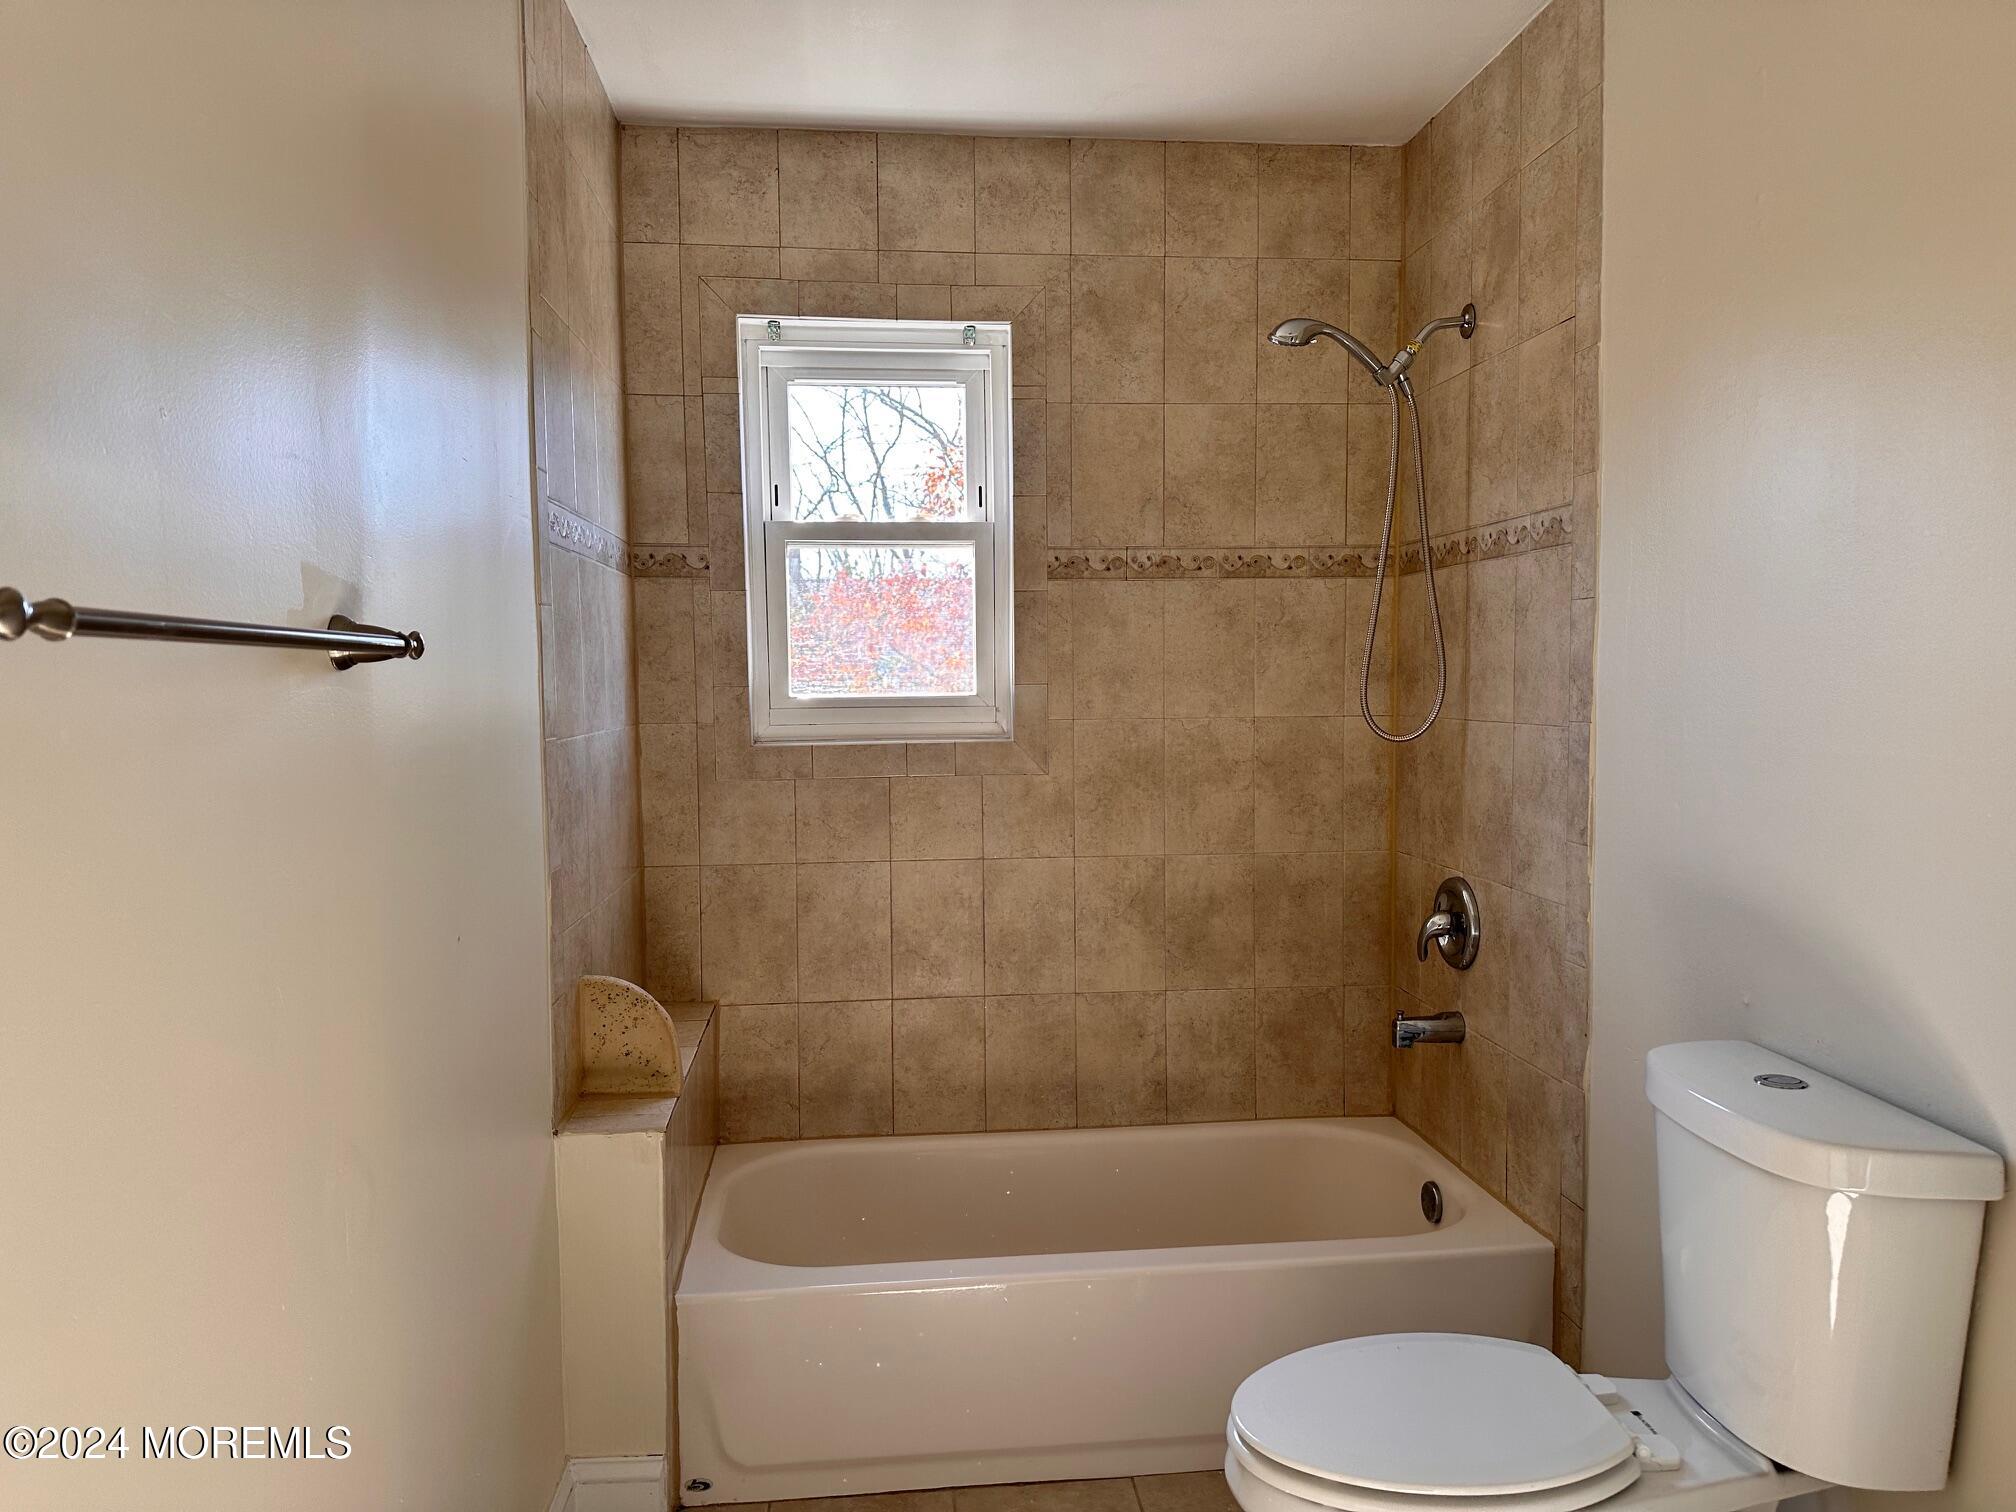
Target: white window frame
773 350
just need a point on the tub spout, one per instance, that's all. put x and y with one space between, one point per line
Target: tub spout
1433 1029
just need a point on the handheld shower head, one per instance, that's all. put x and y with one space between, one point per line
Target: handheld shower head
1301 332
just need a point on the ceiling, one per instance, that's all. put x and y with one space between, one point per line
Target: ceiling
1369 71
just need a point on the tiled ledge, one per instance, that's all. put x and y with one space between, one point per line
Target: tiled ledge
645 1112
620 1113
1503 538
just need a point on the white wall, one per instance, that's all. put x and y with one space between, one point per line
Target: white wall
1806 691
273 1045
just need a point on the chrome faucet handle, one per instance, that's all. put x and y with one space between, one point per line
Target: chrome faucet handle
1456 926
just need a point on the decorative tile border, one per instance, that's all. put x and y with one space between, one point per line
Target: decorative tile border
1535 532
669 562
1085 566
570 532
1150 562
1554 527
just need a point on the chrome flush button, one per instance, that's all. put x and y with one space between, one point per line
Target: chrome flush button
1778 1081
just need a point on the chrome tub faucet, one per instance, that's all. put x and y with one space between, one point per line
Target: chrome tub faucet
1456 930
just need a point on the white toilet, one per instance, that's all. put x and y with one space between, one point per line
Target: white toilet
1819 1250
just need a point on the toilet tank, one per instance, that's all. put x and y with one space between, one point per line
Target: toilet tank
1819 1249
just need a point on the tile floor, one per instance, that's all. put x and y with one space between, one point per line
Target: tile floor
1204 1491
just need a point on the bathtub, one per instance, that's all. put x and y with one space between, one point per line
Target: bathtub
889 1314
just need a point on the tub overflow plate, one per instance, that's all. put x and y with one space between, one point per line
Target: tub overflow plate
1431 1202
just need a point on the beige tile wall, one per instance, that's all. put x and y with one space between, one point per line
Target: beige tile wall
594 858
1503 207
1168 899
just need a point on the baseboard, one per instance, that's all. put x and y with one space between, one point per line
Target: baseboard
625 1483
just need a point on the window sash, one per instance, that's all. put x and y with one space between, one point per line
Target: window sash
780 535
979 438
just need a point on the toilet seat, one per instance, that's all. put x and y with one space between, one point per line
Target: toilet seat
1680 1459
1440 1420
1261 1486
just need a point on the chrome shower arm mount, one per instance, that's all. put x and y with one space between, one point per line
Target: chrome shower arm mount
1404 358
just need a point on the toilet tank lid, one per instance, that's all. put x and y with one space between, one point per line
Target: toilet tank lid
1823 1134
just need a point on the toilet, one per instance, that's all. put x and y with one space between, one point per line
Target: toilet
1819 1248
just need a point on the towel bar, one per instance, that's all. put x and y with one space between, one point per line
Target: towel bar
347 642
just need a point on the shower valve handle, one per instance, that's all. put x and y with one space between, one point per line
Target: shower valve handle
1456 927
1437 926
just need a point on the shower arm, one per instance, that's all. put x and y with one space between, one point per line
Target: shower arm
1396 371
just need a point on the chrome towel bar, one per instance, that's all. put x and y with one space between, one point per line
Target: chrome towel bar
347 642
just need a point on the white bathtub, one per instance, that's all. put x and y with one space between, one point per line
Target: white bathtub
888 1314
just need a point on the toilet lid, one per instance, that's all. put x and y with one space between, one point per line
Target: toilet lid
1430 1414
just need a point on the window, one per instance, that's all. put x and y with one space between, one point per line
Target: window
876 519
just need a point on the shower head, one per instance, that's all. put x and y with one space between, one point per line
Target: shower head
1301 332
